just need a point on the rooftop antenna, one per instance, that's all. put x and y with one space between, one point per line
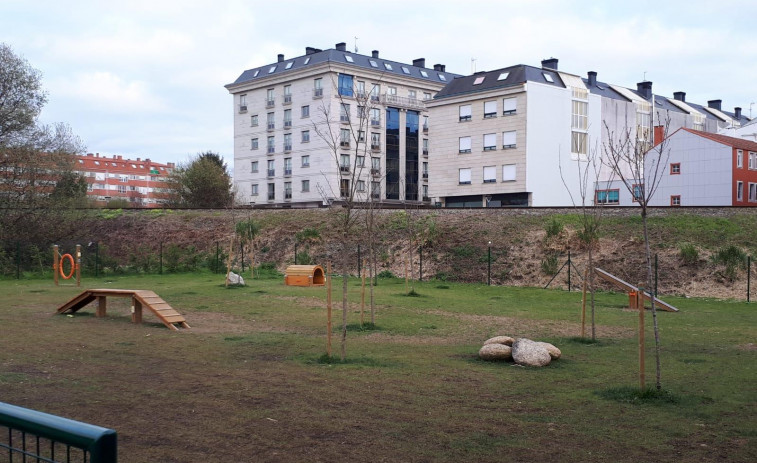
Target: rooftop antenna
473 65
355 44
644 79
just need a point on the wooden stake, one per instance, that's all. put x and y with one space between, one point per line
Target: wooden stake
328 309
252 259
362 297
640 305
78 265
407 290
583 304
228 263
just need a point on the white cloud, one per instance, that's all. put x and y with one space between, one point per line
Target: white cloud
105 92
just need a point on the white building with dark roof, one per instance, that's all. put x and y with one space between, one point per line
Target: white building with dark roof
374 107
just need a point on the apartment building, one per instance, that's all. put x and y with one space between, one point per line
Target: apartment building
139 182
700 169
309 129
511 137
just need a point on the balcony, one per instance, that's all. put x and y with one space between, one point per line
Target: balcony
344 118
288 194
375 195
271 126
426 199
243 108
425 129
490 148
403 102
425 153
344 169
287 172
344 144
375 122
271 150
269 103
375 98
375 147
271 196
361 95
425 176
287 124
287 148
375 172
317 93
287 99
271 172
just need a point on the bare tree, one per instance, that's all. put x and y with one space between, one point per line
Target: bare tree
589 171
346 137
640 164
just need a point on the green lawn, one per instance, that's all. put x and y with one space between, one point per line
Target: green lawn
248 381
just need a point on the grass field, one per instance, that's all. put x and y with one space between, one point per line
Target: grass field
248 382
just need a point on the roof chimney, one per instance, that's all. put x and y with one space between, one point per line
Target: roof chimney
440 67
550 63
341 46
309 50
680 96
592 78
374 54
714 104
737 112
281 57
420 62
645 89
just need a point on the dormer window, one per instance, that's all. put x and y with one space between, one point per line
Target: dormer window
479 80
503 76
256 73
348 58
307 60
270 71
424 73
388 66
443 77
373 63
289 65
548 77
405 70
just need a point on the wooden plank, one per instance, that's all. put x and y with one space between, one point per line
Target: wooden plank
136 315
102 306
173 318
629 288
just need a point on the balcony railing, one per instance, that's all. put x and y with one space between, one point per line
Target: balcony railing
344 118
403 102
375 98
287 124
426 198
344 144
287 99
243 108
425 175
271 172
288 147
287 172
425 129
271 150
344 169
375 172
375 122
271 125
375 195
425 152
271 196
288 194
270 102
317 92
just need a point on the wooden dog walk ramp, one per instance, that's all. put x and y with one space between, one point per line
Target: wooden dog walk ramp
139 298
631 288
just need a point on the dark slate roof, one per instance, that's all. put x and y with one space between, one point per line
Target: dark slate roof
517 75
338 56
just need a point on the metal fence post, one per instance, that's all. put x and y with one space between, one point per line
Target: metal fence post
97 256
18 260
358 260
420 252
295 251
161 258
748 277
655 275
489 266
217 265
569 265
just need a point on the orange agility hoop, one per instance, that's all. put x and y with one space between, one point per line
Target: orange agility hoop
70 258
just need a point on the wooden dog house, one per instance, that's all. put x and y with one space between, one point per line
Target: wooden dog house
305 275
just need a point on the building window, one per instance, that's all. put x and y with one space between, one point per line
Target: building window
509 139
344 138
579 123
752 192
242 103
361 89
490 142
425 124
508 173
287 94
360 161
344 188
375 91
287 118
305 186
465 113
287 166
739 160
578 144
509 106
344 163
425 146
287 190
675 168
375 141
424 189
360 185
305 111
254 120
490 109
269 101
306 160
271 145
344 112
345 85
607 197
375 117
375 190
361 136
287 142
306 136
271 168
739 191
675 200
425 170
254 167
254 144
376 164
465 144
426 96
490 174
638 192
752 160
411 94
464 177
271 121
391 91
254 189
698 121
317 87
643 124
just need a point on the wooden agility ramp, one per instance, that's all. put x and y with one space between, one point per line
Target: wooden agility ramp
139 298
631 288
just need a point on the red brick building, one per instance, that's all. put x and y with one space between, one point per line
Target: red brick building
140 182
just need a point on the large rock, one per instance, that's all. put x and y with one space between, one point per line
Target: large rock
554 352
506 340
495 352
235 279
529 353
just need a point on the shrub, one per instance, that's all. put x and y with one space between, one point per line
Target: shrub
386 274
553 228
732 258
689 254
308 234
303 258
549 265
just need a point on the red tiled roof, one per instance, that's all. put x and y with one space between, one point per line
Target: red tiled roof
738 143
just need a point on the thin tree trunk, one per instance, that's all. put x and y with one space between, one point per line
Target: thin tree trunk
591 291
658 383
345 277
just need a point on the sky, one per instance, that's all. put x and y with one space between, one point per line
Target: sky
146 78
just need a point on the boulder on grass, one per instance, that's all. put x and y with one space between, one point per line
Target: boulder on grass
529 353
495 352
235 279
506 340
554 352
